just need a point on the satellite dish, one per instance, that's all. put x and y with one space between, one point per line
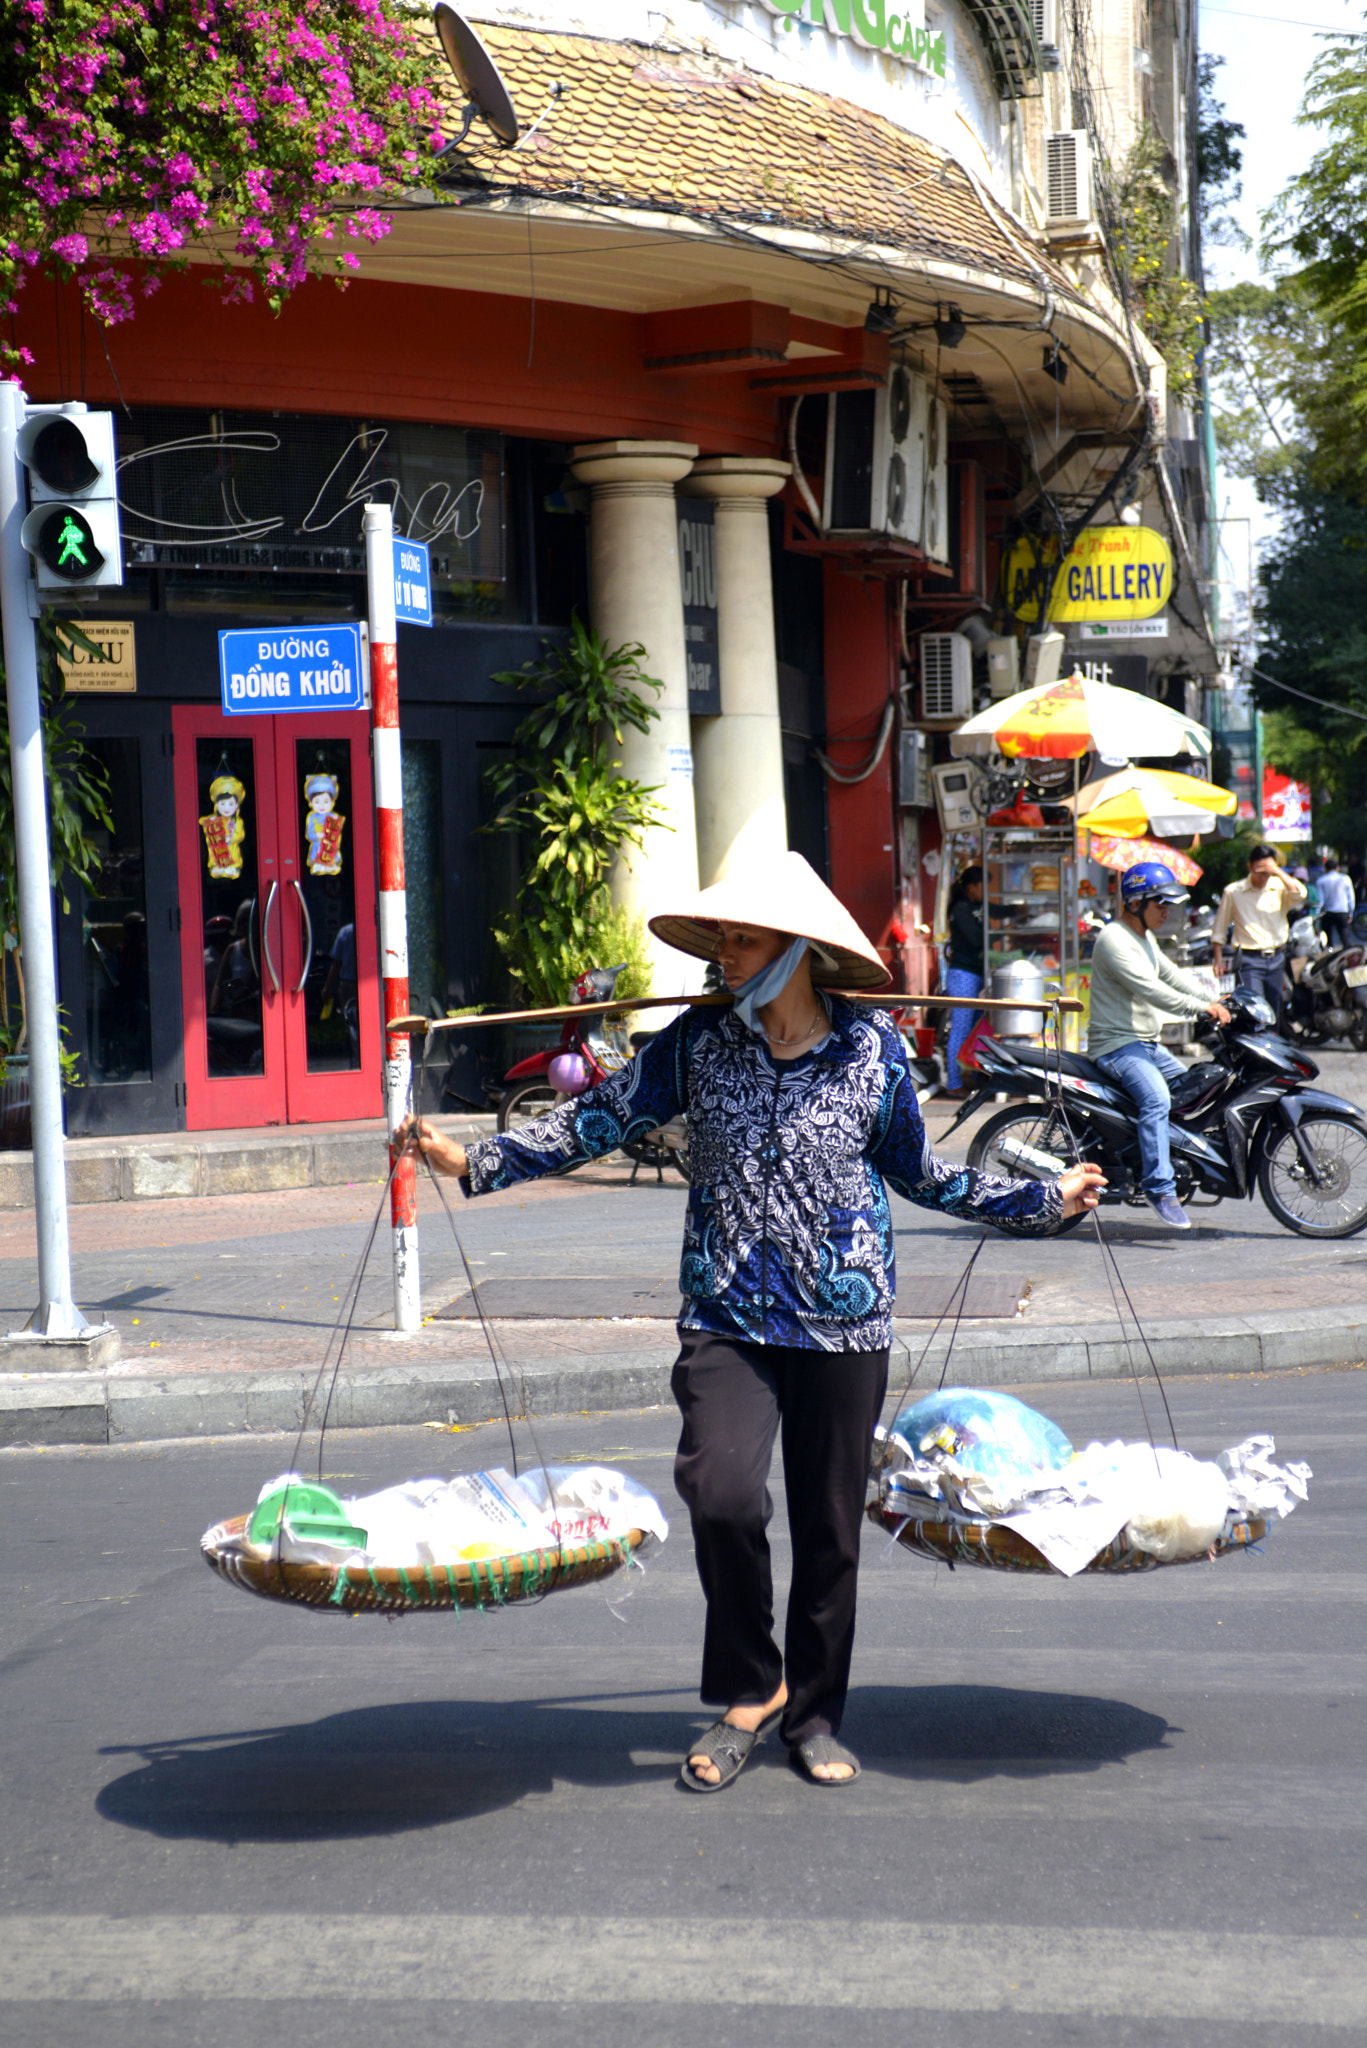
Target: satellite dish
477 76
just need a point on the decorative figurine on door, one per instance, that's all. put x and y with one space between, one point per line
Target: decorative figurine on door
323 825
224 831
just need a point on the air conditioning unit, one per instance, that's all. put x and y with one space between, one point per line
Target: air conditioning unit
935 535
875 459
1044 21
914 790
946 678
1068 178
1003 666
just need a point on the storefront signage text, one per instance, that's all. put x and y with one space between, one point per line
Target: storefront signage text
316 668
113 671
875 25
1110 574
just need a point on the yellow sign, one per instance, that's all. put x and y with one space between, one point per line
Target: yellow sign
116 674
1110 573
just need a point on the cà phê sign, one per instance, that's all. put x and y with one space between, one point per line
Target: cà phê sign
897 31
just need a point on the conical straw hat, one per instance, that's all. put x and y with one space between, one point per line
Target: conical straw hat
786 895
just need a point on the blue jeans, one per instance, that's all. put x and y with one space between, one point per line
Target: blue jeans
1264 978
959 982
1143 1071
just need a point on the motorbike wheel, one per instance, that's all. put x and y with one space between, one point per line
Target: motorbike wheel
1027 1124
1338 1207
524 1103
648 1153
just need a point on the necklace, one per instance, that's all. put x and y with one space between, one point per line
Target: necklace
810 1032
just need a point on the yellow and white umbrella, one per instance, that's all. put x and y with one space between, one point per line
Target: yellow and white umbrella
1064 720
1138 801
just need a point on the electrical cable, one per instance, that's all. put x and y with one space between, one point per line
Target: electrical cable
861 774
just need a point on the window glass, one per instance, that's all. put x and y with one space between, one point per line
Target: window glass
325 895
230 908
114 929
263 510
422 862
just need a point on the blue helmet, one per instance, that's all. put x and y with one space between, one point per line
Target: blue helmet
1147 880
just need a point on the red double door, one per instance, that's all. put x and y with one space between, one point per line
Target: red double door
276 860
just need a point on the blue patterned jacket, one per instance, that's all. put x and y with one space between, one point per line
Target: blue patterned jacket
788 1238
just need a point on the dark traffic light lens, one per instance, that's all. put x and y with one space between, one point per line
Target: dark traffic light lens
67 545
62 459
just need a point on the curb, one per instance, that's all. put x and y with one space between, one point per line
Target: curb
93 1408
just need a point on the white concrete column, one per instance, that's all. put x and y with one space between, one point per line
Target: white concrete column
738 758
635 595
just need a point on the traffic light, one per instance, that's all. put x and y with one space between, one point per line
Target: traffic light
72 531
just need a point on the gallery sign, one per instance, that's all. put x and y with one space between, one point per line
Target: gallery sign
1111 574
896 32
314 668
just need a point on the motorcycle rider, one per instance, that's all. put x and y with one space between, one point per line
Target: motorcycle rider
1134 987
1257 909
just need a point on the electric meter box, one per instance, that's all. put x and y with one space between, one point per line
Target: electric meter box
955 783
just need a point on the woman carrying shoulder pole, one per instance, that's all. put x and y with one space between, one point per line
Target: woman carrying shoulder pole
800 1105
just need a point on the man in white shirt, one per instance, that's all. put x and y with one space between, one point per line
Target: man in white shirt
1257 909
1336 897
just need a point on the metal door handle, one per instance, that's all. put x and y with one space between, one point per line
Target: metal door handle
308 935
251 946
266 937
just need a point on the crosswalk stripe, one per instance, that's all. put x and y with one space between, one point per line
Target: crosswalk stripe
602 1960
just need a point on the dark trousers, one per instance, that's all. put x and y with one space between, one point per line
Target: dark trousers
1263 977
1338 926
735 1398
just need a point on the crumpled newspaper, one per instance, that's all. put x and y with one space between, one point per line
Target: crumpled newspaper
1169 1503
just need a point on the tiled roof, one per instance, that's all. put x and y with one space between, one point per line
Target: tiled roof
636 126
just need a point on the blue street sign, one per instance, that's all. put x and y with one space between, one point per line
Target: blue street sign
312 668
412 582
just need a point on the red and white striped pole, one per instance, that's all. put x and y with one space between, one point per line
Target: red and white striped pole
378 525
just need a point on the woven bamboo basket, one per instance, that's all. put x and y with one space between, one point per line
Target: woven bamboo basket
388 1589
1004 1550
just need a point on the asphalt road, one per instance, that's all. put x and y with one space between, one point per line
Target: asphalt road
1130 1811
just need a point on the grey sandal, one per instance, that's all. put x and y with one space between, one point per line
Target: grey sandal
822 1749
728 1747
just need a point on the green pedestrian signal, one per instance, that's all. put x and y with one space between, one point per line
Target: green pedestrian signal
72 530
65 543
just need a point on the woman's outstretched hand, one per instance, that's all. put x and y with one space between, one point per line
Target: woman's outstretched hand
1080 1188
415 1134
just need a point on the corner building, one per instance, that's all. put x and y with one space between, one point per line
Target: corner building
744 352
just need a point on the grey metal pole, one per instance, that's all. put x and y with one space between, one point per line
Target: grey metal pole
57 1315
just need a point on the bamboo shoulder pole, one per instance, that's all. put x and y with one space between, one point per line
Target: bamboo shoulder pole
1067 1006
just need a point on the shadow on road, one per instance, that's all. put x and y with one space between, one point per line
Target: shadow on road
387 1770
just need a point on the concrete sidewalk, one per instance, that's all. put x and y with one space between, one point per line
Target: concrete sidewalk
225 1303
169 1165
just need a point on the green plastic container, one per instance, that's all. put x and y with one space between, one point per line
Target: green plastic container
313 1514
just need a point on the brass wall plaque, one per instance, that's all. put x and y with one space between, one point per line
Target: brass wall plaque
116 675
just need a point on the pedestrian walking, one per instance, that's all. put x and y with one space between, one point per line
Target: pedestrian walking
1337 898
801 1109
964 954
1257 909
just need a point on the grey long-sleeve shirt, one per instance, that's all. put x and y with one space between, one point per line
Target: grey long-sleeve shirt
1135 989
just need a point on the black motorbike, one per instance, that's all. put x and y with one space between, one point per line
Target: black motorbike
1242 1120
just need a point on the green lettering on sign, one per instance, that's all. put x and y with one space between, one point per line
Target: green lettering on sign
868 22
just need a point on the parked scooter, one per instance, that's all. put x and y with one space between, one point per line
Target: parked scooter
1329 996
584 1057
1242 1120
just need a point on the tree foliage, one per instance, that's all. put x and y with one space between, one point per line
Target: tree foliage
575 813
259 130
1219 160
1141 230
77 797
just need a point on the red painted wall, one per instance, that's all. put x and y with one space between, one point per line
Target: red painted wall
392 351
860 655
